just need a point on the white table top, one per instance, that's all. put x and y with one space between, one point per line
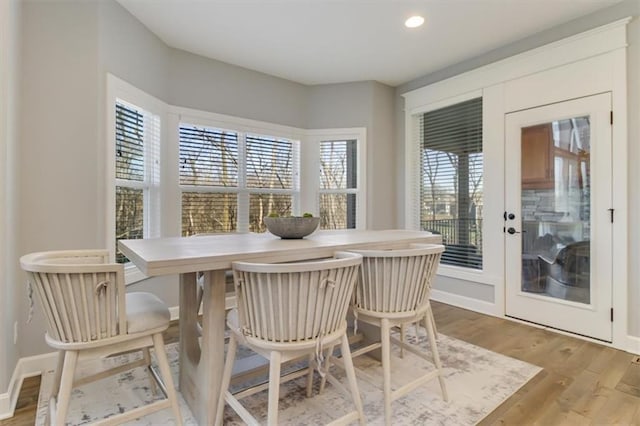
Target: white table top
162 256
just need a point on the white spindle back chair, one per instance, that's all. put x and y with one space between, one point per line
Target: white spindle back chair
394 290
286 311
88 315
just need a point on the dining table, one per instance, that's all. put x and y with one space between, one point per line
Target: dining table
201 358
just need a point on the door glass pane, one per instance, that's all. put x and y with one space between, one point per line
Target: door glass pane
556 201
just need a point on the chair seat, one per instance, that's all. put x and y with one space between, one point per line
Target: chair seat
145 311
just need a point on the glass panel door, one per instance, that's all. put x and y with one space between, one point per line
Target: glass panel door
557 225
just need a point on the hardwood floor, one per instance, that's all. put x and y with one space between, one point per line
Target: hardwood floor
582 383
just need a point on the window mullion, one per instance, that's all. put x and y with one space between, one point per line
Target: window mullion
243 194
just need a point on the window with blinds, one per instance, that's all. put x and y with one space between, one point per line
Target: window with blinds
338 184
230 179
451 170
137 136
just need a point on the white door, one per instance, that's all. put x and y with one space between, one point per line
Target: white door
558 216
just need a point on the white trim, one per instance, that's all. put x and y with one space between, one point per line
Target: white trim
359 134
633 345
464 302
620 197
26 367
211 119
580 46
443 103
468 274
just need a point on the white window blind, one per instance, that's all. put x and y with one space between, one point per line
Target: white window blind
137 136
231 179
451 170
338 184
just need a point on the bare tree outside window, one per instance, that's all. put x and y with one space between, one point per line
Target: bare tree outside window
130 170
219 191
338 180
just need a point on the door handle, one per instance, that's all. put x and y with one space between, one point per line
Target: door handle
512 231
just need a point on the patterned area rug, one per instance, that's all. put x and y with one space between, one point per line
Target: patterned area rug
478 381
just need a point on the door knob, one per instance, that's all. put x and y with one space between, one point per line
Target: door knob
512 231
512 216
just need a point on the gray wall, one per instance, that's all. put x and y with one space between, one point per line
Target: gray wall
366 104
210 85
622 10
9 81
59 139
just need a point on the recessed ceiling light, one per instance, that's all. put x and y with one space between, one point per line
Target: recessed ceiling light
414 21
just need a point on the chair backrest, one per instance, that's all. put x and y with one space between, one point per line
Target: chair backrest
396 281
81 294
295 302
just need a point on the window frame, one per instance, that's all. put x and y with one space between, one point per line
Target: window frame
118 90
412 179
314 139
242 190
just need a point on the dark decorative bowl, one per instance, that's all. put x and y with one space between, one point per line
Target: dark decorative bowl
290 228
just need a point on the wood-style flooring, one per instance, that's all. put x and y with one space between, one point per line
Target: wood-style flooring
582 383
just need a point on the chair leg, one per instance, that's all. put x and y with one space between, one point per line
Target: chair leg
165 370
274 387
66 384
351 376
327 365
58 374
147 359
386 368
433 322
312 364
436 355
402 334
226 377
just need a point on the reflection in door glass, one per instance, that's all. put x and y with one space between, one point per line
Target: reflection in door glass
556 204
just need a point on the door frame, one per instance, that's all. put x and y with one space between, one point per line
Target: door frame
607 74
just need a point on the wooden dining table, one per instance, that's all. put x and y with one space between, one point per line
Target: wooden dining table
202 352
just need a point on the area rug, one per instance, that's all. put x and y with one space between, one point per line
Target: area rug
478 381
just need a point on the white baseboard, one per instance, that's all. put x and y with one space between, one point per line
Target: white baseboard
464 302
5 406
633 345
26 367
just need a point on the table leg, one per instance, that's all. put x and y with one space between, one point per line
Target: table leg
201 363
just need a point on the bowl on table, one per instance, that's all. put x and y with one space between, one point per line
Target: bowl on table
291 227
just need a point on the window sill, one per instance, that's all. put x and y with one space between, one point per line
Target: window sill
132 274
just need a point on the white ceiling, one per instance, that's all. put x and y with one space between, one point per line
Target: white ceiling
332 41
